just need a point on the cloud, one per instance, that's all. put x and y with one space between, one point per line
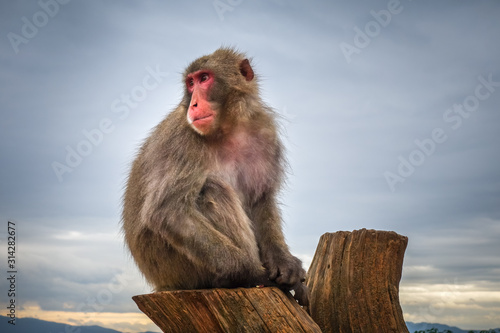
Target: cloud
351 123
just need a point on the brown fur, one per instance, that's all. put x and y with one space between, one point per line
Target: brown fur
200 211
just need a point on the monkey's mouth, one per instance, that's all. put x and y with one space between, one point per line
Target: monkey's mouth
202 119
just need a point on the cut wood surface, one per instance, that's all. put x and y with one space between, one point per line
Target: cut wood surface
354 288
354 282
226 310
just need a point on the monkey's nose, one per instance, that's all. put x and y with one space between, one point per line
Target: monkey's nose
195 105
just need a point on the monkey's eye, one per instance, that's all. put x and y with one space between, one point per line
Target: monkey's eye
203 77
190 82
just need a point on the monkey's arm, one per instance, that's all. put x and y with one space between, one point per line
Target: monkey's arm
282 266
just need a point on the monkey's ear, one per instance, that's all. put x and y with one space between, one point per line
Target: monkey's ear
246 70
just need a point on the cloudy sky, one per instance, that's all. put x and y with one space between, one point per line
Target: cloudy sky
392 120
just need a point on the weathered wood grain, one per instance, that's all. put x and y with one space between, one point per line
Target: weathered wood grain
354 282
226 310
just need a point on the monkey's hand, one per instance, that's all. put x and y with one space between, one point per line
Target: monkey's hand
300 290
286 270
301 294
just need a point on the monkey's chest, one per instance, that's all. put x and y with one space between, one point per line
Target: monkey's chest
247 168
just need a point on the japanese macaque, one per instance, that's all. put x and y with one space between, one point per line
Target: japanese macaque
200 207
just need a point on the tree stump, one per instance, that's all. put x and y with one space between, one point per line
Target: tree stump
226 310
354 282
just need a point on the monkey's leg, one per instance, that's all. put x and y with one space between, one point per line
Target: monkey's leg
220 205
201 242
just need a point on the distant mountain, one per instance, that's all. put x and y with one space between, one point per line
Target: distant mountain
412 327
31 325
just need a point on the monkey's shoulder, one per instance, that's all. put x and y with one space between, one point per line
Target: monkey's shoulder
172 138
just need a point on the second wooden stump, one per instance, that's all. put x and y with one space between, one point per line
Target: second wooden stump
354 282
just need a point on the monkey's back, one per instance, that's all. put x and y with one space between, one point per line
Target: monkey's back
160 175
200 207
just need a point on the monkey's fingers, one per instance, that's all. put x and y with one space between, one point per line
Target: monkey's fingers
291 276
264 281
272 271
301 294
286 277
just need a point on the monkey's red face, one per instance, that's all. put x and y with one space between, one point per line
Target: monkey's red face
200 115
